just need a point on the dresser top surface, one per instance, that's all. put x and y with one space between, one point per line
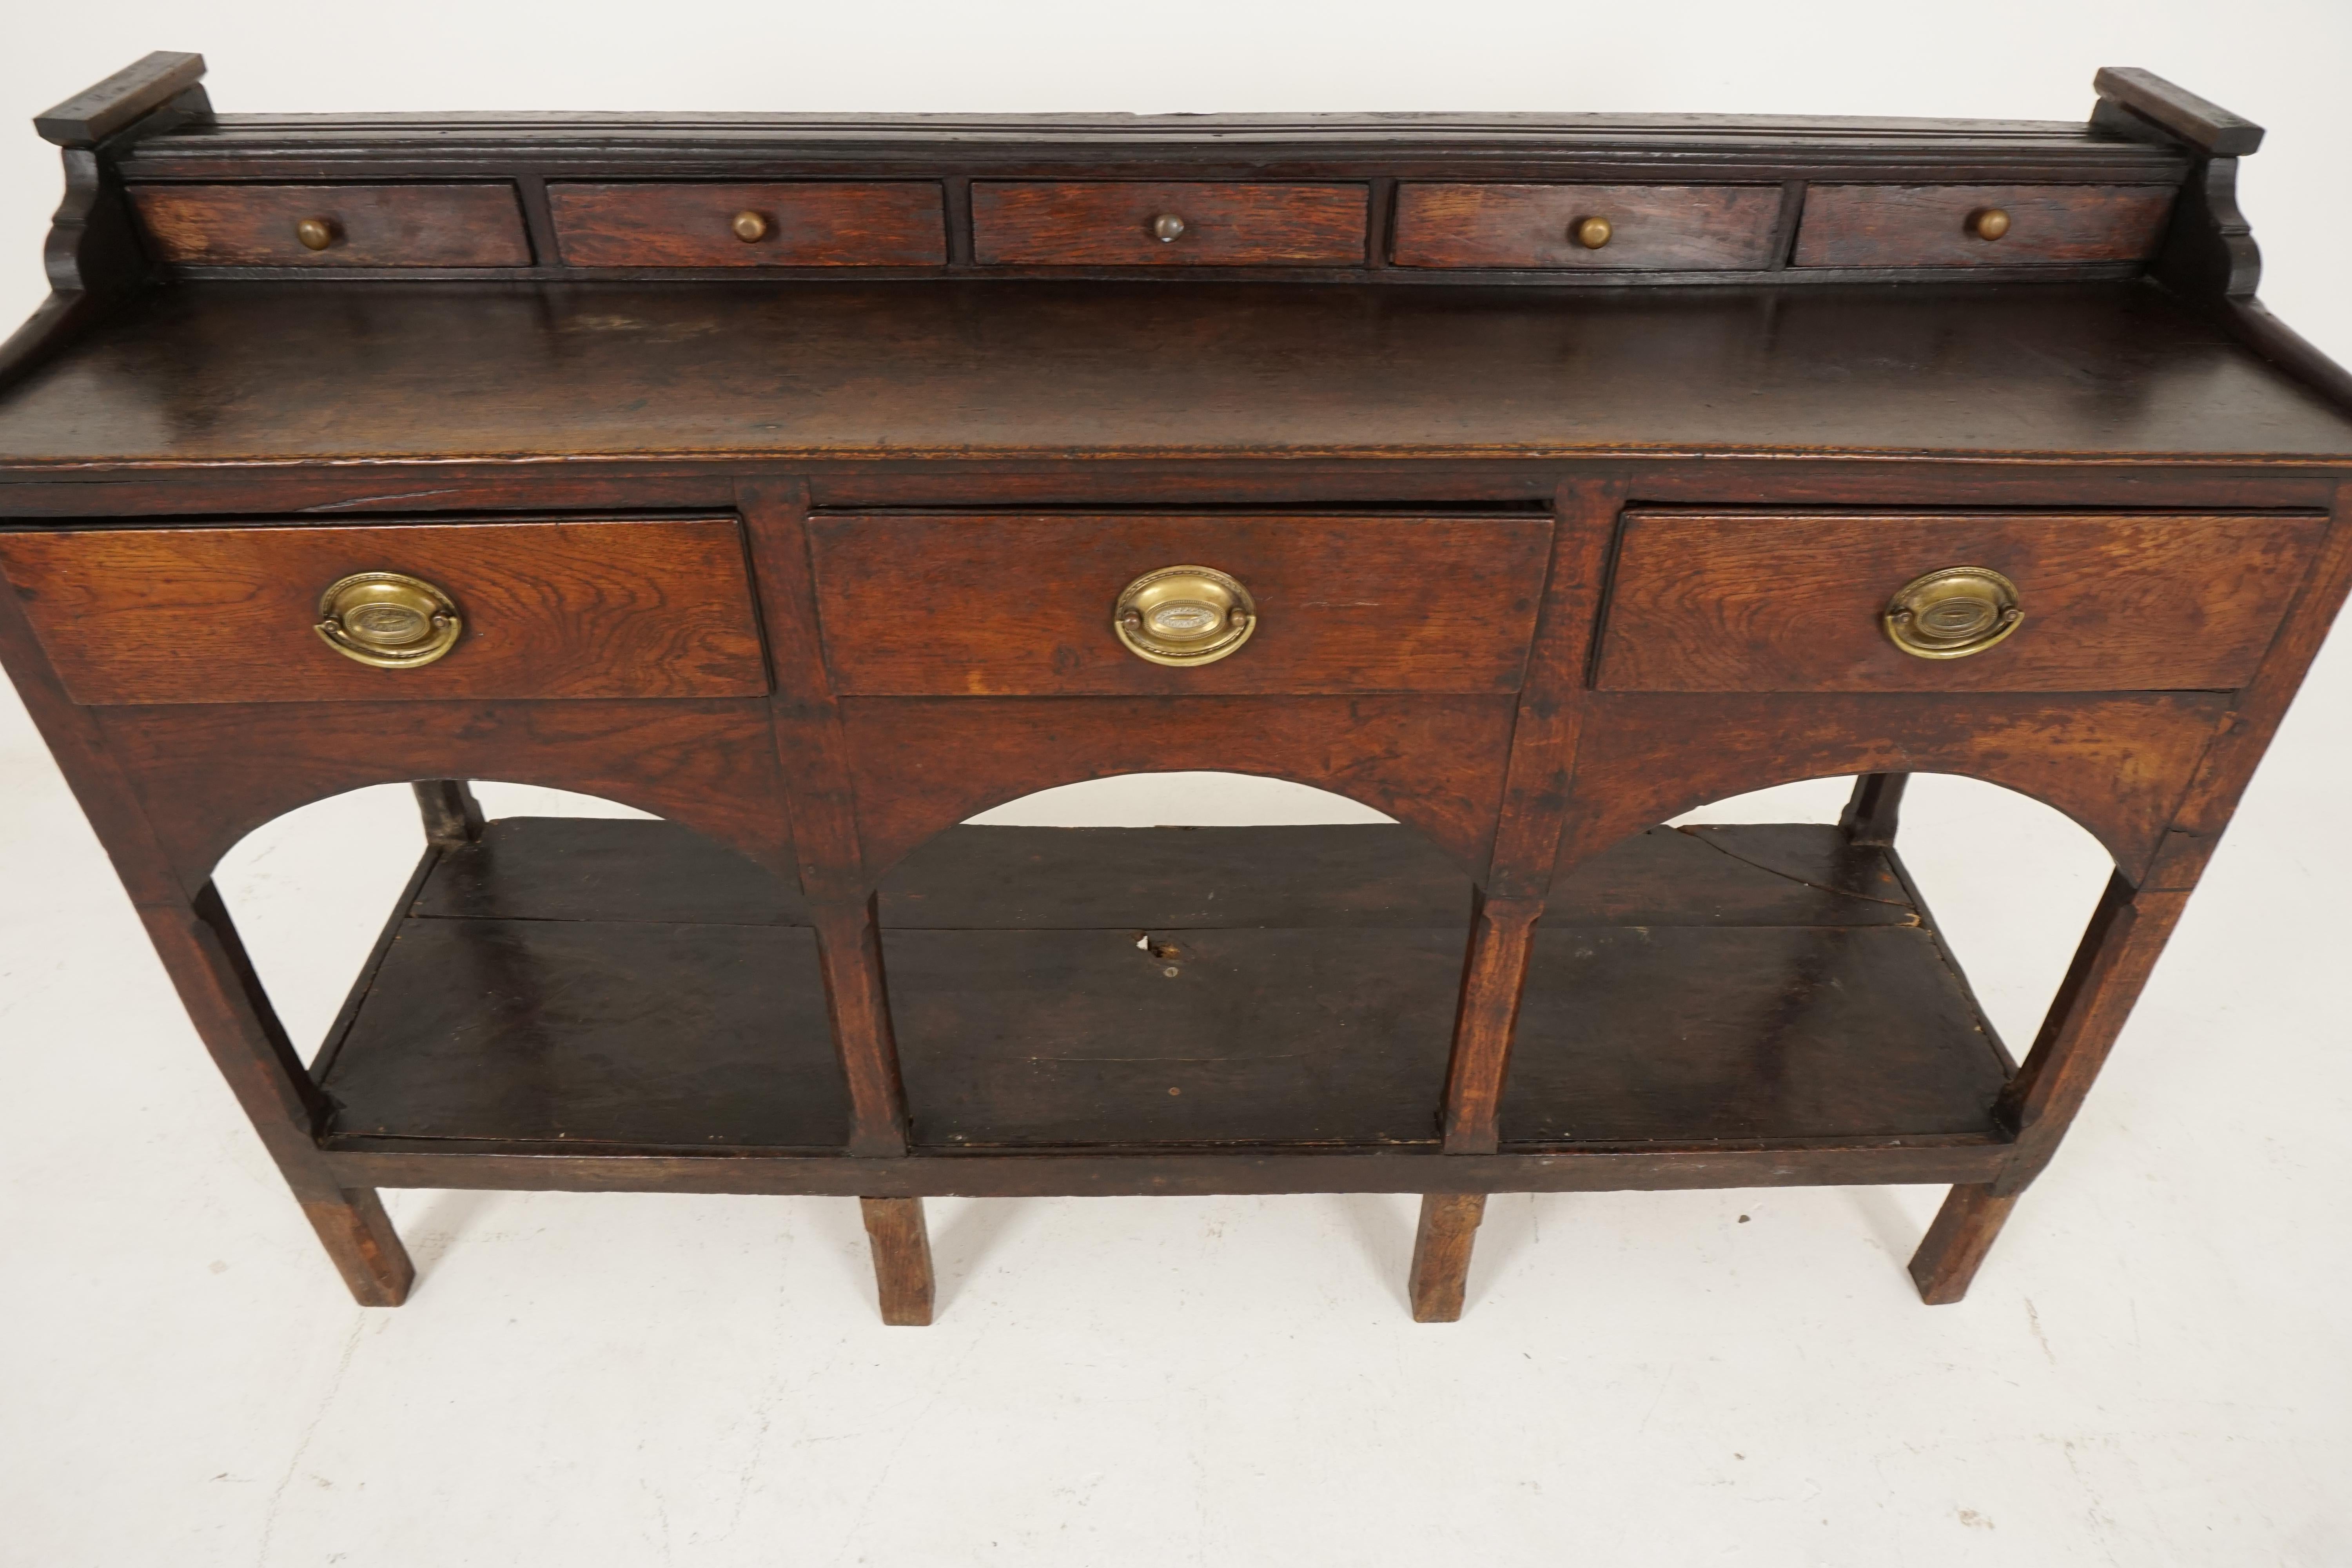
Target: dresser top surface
231 373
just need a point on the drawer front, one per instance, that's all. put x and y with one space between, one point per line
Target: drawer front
810 224
1782 602
357 225
1700 228
543 610
1118 223
1938 225
993 605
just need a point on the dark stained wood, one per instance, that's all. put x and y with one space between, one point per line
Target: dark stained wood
1927 225
1022 607
371 225
923 764
1109 222
2202 123
1044 372
810 224
208 774
2229 762
128 95
548 1031
1772 602
550 609
1956 1243
1875 810
1502 939
1693 227
704 1004
2114 765
453 818
1441 1254
902 1259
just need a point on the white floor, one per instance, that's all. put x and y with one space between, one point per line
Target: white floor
2151 1370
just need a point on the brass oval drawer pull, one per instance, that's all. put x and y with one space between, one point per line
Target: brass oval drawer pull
1184 615
388 619
748 226
1989 223
1591 233
1953 613
1168 229
315 233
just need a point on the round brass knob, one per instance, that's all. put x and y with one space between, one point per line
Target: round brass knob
1591 233
1989 223
748 226
315 233
388 619
1168 229
1953 613
1185 615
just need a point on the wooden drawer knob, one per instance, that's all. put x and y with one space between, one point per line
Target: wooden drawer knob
388 619
1168 229
1185 615
1988 223
315 233
1953 613
748 226
1591 233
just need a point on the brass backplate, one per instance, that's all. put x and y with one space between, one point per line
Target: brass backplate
1953 612
1181 615
388 619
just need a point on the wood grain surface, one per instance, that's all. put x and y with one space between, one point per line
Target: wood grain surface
1759 601
373 225
1694 228
550 609
1927 225
1022 605
810 223
1109 222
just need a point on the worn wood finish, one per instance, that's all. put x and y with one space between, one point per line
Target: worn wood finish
1369 357
1928 226
1774 601
227 614
923 764
207 775
1693 227
899 223
1022 607
1044 374
368 225
1440 1255
1109 222
2117 765
902 1259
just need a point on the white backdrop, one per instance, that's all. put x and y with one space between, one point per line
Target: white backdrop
2146 1372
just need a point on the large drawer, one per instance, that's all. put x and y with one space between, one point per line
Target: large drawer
1139 223
537 609
952 605
1756 601
892 223
335 225
1978 225
1677 227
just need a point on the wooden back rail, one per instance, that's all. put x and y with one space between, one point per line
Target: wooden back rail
824 644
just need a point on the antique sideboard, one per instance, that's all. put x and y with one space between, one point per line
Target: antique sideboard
816 484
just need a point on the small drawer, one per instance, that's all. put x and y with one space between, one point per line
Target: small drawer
899 223
532 609
334 226
1978 225
945 604
1661 227
1752 601
1134 222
